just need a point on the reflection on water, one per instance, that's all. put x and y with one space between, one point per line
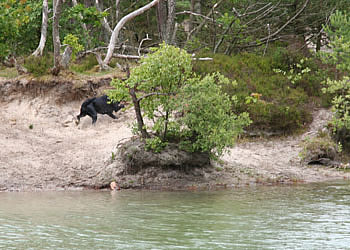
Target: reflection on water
298 217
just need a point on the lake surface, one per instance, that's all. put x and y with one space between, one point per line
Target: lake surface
313 216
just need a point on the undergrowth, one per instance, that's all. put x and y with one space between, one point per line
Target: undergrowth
85 64
40 65
274 102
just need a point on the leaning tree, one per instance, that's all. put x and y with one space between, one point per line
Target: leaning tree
179 106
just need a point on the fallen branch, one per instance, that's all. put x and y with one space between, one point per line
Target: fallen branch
126 56
203 59
135 57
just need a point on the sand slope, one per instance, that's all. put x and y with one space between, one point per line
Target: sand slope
57 154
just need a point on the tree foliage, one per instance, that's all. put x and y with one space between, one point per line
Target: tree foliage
208 125
18 22
218 26
166 87
339 34
73 42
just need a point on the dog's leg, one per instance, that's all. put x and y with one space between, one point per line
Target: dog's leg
92 113
112 116
82 114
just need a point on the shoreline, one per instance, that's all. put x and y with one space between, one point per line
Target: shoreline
41 148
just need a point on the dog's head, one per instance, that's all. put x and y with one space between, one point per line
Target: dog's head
117 106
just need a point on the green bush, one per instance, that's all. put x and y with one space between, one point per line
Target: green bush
339 86
277 118
281 105
40 65
155 144
163 85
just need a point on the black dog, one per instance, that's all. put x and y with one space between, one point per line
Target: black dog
101 105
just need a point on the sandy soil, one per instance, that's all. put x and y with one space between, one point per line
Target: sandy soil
55 153
278 159
41 148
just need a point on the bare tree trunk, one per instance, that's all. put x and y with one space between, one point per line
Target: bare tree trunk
166 20
117 9
319 39
66 57
170 24
40 49
56 37
162 16
119 26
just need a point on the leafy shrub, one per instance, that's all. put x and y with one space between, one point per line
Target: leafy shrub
40 65
165 86
281 105
339 35
155 144
73 42
341 103
268 116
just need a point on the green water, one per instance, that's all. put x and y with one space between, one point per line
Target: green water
297 217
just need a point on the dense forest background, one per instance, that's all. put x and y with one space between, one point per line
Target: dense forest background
221 26
268 47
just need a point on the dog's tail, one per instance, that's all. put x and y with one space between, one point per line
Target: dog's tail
87 102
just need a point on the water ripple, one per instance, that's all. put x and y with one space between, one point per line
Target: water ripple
299 217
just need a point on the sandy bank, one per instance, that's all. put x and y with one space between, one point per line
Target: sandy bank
41 148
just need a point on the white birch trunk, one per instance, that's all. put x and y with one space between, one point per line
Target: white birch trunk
56 36
40 49
119 26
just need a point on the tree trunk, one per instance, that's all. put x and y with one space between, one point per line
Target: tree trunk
140 123
119 26
117 9
66 57
319 39
40 49
166 125
161 16
56 37
170 24
166 20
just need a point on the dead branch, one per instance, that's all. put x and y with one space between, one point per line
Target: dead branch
196 29
120 25
260 16
194 14
286 24
144 39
